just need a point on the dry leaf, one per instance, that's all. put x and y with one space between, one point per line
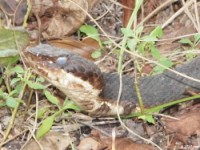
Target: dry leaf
59 18
188 124
15 12
51 141
128 9
99 142
93 43
128 144
74 46
89 144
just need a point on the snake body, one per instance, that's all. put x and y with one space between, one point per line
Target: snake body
95 92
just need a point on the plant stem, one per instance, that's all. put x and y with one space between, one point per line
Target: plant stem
162 106
125 38
124 41
7 75
138 92
8 129
27 13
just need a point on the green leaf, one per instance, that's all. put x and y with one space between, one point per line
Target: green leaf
9 38
148 118
14 92
127 32
2 104
131 43
11 102
157 32
149 38
17 69
10 43
91 32
139 31
158 108
96 54
70 105
154 52
2 94
186 41
35 85
19 87
40 79
41 112
141 47
164 61
45 127
196 38
5 61
51 98
8 53
14 80
165 105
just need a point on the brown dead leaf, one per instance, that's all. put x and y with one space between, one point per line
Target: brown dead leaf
74 46
128 9
150 5
93 43
92 3
51 141
128 144
93 142
59 18
99 142
14 10
188 124
147 69
90 144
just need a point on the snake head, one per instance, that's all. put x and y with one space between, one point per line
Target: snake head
46 59
79 79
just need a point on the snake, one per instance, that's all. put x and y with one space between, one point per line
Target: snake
96 93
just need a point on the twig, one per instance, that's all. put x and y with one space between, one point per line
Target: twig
165 4
5 142
176 14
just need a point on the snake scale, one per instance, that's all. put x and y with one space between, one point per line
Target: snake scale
95 92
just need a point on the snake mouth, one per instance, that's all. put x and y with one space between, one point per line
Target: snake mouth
78 78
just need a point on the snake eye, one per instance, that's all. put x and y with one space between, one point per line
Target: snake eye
61 61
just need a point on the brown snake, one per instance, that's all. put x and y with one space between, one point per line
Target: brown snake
77 77
95 92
